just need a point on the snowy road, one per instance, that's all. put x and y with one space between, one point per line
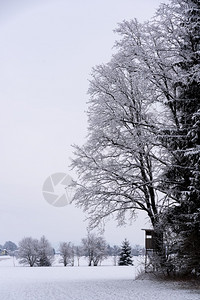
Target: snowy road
84 283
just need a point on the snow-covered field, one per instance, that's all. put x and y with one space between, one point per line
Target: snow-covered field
104 282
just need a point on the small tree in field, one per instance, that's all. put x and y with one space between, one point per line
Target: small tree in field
66 253
94 248
28 251
125 257
78 253
45 253
115 253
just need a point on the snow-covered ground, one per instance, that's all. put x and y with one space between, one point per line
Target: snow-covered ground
104 282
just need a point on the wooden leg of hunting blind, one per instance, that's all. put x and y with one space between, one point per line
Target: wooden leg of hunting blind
145 263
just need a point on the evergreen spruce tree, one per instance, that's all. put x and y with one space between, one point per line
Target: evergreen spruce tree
183 177
125 258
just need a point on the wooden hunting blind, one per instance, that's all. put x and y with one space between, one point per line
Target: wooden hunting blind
149 245
149 239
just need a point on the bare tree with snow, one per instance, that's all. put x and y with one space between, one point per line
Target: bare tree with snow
28 251
142 150
121 163
78 253
66 253
94 248
45 253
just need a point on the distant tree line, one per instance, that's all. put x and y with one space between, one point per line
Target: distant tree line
8 248
94 248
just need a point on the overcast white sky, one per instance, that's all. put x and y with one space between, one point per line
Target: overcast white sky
47 50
